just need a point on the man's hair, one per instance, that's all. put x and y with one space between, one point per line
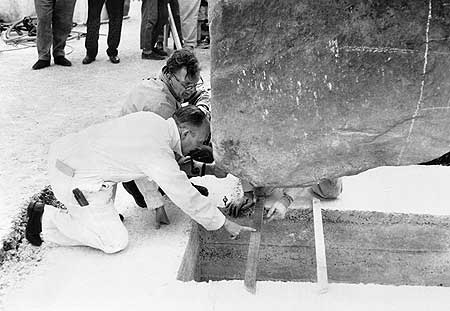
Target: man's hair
183 58
191 115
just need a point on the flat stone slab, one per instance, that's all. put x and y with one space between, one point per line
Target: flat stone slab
361 247
304 90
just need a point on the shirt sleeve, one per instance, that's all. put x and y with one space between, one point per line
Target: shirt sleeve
164 170
203 102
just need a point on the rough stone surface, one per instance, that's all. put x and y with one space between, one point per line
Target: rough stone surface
13 10
304 90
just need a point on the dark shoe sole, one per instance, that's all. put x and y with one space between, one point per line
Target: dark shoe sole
152 56
34 224
160 52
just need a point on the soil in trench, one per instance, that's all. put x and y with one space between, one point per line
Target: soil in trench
361 247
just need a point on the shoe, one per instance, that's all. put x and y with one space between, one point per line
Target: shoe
34 225
160 52
61 60
41 64
87 60
152 55
114 59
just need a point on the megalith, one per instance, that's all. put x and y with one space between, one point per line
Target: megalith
310 89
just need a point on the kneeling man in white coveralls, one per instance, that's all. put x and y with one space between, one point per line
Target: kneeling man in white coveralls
94 160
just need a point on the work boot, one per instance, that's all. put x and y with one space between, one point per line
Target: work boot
152 55
34 225
161 217
41 64
88 59
61 60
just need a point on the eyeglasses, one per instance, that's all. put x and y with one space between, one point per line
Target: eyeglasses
190 85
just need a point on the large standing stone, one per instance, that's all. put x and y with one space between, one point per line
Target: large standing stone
307 89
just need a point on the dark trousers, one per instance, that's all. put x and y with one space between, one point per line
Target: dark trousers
54 26
115 15
154 16
203 154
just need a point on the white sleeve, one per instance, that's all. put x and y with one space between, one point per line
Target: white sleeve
164 170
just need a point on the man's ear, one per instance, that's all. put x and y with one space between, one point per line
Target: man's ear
183 73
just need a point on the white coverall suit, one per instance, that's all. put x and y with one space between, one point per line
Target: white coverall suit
94 160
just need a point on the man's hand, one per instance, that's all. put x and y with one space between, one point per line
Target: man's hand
234 209
212 169
235 229
279 208
185 163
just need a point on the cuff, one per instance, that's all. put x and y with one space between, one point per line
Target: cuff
216 223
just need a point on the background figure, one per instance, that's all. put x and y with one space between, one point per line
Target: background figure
54 26
189 19
154 16
115 15
177 20
203 26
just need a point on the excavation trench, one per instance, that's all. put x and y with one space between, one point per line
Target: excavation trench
361 247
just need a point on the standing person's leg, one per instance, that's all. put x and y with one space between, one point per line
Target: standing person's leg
44 12
189 15
174 5
149 18
115 13
158 29
62 25
93 27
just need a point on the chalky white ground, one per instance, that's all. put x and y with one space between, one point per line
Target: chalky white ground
39 106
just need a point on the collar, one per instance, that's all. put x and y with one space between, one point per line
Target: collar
174 135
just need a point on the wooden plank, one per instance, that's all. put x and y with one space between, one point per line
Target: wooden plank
173 28
254 244
188 270
321 259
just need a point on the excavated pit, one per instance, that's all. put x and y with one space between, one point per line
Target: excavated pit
361 247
